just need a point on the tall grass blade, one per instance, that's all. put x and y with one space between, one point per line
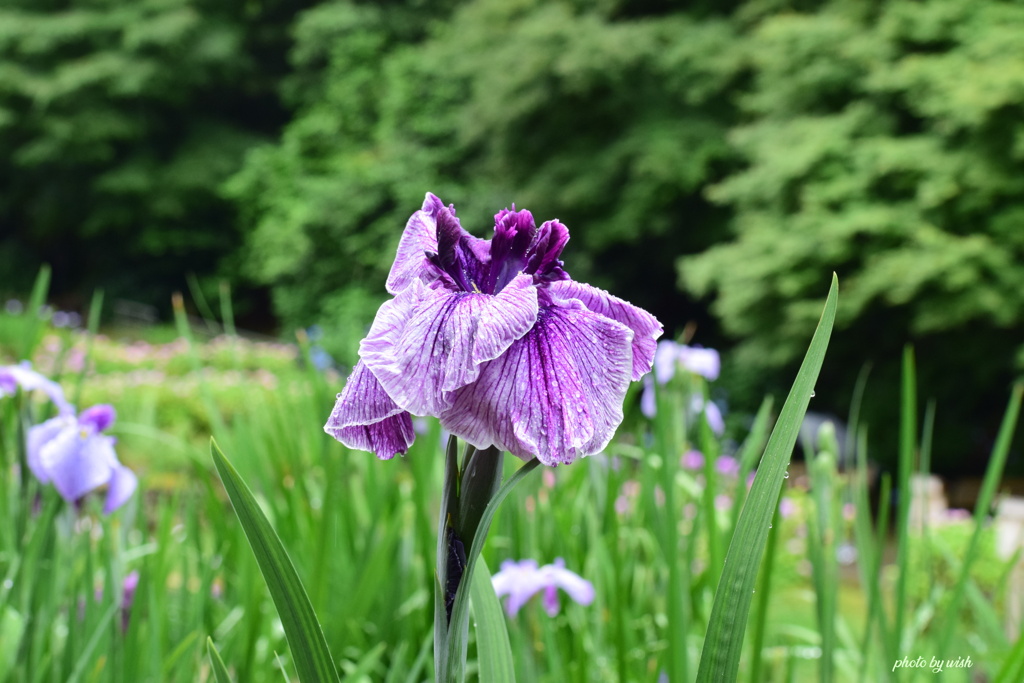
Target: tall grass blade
723 645
313 659
227 311
493 650
34 312
220 672
908 445
993 474
97 634
1013 668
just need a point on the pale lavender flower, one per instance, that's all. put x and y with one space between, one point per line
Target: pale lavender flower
723 501
668 357
521 580
787 508
700 361
692 460
13 377
76 457
495 339
665 359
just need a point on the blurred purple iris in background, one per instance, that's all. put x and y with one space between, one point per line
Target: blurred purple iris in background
495 339
73 454
668 358
13 377
521 580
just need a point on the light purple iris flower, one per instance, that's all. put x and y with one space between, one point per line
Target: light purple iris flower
668 357
696 359
521 580
76 457
495 339
13 377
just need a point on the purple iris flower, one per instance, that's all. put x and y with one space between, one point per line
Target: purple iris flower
700 361
521 580
495 339
668 357
76 457
14 376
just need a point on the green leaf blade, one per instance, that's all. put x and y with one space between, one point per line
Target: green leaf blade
720 659
312 657
220 672
493 648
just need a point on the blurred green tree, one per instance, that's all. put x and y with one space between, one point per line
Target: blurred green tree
118 123
884 141
609 116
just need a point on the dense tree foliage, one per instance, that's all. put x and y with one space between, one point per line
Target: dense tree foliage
885 142
118 123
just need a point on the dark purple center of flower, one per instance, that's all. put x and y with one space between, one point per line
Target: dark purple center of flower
518 246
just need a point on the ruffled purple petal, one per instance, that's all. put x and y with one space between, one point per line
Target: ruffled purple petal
78 461
544 264
419 239
122 485
429 341
646 328
365 417
556 393
99 417
460 256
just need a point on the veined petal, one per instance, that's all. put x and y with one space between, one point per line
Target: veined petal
556 393
365 417
429 341
78 461
646 328
418 239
